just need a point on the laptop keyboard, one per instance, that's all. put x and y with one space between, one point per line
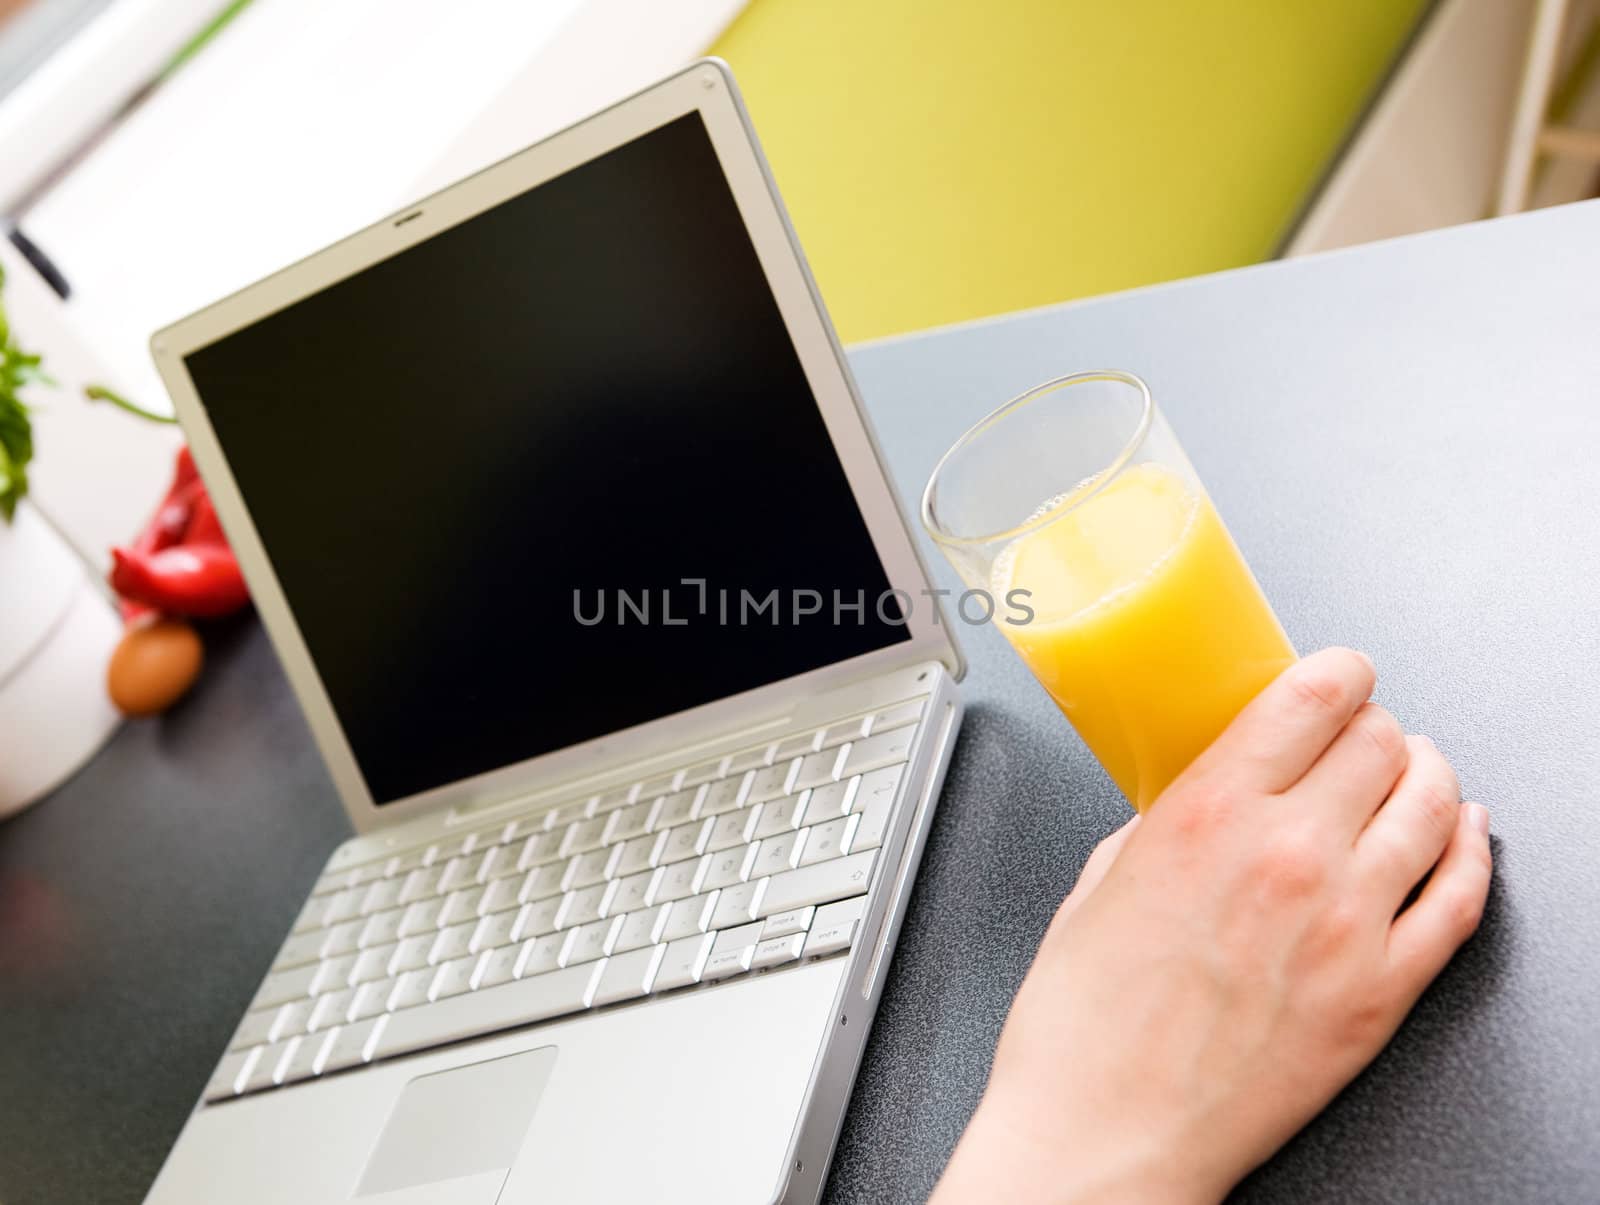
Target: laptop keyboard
730 867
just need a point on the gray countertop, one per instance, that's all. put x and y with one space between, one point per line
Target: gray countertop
1404 441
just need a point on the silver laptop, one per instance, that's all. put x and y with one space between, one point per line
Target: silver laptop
555 496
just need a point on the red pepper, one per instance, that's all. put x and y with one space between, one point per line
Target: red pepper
204 527
170 522
185 579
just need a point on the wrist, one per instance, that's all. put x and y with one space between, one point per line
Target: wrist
1004 1156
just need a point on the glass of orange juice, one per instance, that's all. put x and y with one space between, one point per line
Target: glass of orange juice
1111 573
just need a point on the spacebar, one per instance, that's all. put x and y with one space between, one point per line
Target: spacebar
492 1008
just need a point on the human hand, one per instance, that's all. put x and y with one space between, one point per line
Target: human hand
1228 962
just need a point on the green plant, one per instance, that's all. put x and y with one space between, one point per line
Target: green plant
19 368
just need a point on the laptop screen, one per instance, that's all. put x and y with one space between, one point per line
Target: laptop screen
551 473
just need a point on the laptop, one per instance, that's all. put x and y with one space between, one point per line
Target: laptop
555 496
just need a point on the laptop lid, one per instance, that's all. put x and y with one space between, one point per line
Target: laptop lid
559 468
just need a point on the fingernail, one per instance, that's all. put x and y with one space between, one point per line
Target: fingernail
1478 817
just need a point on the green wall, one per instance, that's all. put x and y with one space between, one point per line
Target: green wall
946 159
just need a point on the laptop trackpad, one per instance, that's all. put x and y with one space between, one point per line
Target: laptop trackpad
453 1135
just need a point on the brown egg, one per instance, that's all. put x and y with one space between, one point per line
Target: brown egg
152 666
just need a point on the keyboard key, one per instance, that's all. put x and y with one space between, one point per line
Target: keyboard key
819 884
458 873
562 817
675 809
256 1028
419 918
346 938
371 999
728 867
411 954
584 835
628 976
845 730
452 979
591 941
688 917
654 788
308 1059
780 816
587 869
333 974
628 822
641 853
311 915
874 821
381 896
539 849
403 864
726 795
358 1043
875 751
777 854
372 964
900 714
302 948
747 759
613 799
770 782
816 769
678 879
827 841
511 1004
231 1073
500 967
501 894
421 884
702 773
633 892
494 930
581 907
732 828
878 786
782 924
344 906
682 962
731 953
454 942
776 951
411 989
737 905
687 840
540 955
538 918
291 1019
461 906
332 1009
833 928
542 882
641 928
282 986
450 847
383 927
497 864
795 746
263 1072
827 803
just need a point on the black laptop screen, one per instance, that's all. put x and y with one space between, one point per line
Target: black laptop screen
493 471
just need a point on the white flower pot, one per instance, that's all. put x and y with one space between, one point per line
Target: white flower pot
57 631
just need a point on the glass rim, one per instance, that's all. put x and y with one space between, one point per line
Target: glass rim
1085 489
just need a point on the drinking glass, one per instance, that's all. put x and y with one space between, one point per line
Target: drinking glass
1110 572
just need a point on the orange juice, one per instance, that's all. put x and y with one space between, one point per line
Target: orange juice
1149 630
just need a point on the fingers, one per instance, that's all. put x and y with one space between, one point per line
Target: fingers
1413 826
1283 731
1448 909
1095 868
1356 773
